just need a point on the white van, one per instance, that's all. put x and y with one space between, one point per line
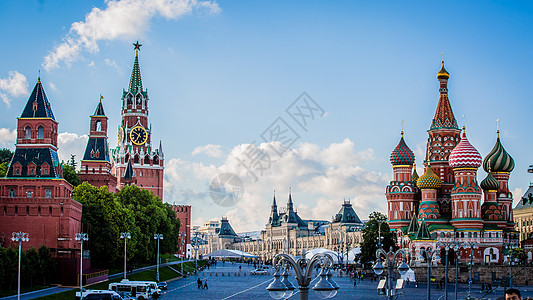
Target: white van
98 295
141 290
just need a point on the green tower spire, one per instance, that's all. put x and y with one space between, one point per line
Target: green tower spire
136 84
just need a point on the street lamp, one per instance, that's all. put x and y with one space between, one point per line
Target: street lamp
81 237
511 246
447 246
125 236
158 237
182 235
380 239
195 245
390 258
283 289
19 237
470 246
429 258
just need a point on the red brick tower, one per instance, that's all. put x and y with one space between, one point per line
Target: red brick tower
443 137
34 197
135 138
401 192
96 164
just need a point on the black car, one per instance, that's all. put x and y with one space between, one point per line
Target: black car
162 285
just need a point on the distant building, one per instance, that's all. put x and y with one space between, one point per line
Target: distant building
445 203
523 214
34 197
287 232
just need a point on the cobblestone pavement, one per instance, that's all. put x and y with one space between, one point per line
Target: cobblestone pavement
254 287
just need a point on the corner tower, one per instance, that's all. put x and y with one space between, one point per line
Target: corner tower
135 138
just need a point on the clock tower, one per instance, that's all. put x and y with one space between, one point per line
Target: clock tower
135 139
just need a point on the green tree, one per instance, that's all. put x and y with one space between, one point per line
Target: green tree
30 261
72 161
105 218
3 168
520 254
5 155
370 237
70 175
46 264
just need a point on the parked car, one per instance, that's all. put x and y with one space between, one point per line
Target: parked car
162 285
98 295
260 271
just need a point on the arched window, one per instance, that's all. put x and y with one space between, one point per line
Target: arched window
98 126
11 193
130 99
156 160
40 132
47 193
27 132
138 100
136 159
147 160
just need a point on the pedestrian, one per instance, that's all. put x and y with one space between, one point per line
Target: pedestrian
482 286
354 281
199 282
205 285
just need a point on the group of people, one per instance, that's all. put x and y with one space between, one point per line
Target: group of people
202 285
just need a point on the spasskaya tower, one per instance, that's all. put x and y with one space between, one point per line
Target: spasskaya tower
135 145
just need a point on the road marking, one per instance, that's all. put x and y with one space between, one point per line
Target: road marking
253 287
180 287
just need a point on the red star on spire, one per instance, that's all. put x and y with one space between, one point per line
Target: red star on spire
137 46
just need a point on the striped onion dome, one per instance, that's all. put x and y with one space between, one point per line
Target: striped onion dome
490 183
402 155
429 180
498 160
415 174
464 155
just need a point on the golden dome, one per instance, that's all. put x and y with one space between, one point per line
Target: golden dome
429 180
443 74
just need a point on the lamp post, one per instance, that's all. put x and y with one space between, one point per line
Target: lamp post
195 245
429 257
81 237
125 236
447 246
283 289
456 270
511 246
380 239
158 237
182 236
390 258
470 246
19 237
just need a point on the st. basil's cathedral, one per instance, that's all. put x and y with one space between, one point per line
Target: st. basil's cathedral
445 204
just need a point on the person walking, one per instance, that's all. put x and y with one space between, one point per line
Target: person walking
205 285
199 282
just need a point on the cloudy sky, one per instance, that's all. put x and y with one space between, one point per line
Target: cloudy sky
223 76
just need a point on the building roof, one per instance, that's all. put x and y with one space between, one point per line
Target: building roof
527 200
97 149
347 214
429 180
226 229
443 74
38 156
136 85
38 105
99 109
444 117
423 231
490 183
413 226
129 174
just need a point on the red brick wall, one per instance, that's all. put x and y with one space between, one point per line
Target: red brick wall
183 213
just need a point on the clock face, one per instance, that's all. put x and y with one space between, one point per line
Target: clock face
138 135
121 135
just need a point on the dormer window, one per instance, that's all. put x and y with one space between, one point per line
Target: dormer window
27 132
40 132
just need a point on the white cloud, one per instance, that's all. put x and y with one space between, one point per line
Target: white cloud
209 150
8 138
52 86
517 195
91 64
71 143
113 64
15 85
320 179
115 21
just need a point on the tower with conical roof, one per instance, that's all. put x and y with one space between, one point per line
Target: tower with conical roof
96 163
34 197
135 137
402 194
443 136
428 184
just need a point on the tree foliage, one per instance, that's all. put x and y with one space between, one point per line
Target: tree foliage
3 169
70 175
5 155
132 210
370 237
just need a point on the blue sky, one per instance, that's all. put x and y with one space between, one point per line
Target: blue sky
219 73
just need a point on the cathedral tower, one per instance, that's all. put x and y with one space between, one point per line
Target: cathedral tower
135 138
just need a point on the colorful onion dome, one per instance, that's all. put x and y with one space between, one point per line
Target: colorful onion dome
464 155
415 174
443 74
402 155
498 160
490 183
429 180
